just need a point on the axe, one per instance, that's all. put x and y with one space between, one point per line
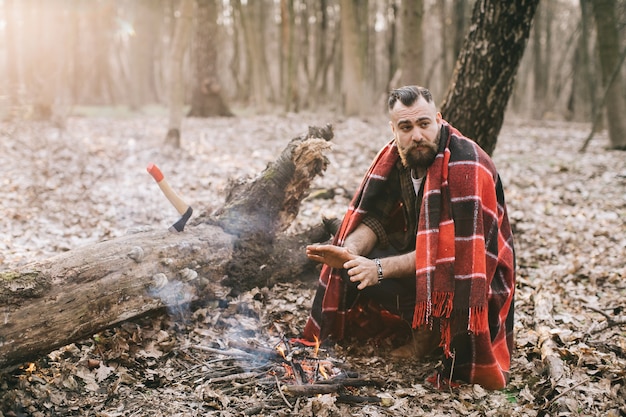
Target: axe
183 208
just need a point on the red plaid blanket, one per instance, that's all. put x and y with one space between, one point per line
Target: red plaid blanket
465 262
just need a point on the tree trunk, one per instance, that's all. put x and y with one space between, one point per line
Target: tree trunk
392 45
540 70
81 292
288 58
354 92
141 53
582 98
12 79
412 55
252 19
460 15
609 51
180 42
483 79
207 99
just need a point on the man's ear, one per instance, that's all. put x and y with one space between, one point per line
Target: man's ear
439 118
393 128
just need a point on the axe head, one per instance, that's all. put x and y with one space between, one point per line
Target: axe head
179 226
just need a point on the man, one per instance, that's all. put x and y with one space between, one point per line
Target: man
426 239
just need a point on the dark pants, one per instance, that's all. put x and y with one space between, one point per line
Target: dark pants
396 295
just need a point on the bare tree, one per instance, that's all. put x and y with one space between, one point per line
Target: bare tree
288 56
412 47
207 99
180 43
582 98
141 57
326 41
540 51
11 83
354 92
485 72
252 18
609 52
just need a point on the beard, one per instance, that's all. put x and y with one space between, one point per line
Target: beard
419 155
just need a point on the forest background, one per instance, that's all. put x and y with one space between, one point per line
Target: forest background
91 90
234 57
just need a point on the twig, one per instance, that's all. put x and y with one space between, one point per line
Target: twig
255 350
280 391
352 382
238 387
553 400
235 377
230 352
600 108
597 310
610 321
311 389
452 370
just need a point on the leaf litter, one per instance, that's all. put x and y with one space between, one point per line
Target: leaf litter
72 187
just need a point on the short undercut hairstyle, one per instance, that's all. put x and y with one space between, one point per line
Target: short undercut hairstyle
408 95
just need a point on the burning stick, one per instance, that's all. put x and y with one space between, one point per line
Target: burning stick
329 386
183 208
310 390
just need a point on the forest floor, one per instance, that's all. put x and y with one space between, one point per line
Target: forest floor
63 188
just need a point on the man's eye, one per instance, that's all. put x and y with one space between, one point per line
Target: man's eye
424 125
405 128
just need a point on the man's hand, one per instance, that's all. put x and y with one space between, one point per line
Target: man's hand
331 255
362 270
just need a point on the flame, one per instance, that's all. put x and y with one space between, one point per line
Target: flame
281 350
317 347
322 371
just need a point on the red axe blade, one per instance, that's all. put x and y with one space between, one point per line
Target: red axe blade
183 208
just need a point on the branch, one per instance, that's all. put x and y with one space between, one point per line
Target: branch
598 110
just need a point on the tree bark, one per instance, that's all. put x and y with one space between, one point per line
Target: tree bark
73 295
180 42
252 20
145 37
483 79
288 56
609 51
355 93
207 99
412 55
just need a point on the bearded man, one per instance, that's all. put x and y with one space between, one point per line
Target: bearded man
425 241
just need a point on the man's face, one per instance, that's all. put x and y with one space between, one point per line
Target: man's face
416 132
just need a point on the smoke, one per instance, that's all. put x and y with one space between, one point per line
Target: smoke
174 294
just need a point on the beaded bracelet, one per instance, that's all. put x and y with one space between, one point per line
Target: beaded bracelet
379 266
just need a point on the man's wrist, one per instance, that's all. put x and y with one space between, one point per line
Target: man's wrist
379 269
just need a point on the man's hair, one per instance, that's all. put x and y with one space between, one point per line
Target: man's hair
408 95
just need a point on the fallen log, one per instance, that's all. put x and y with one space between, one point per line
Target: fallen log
544 323
71 296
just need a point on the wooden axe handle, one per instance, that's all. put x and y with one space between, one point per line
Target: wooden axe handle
171 195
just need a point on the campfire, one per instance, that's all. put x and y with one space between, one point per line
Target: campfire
291 369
